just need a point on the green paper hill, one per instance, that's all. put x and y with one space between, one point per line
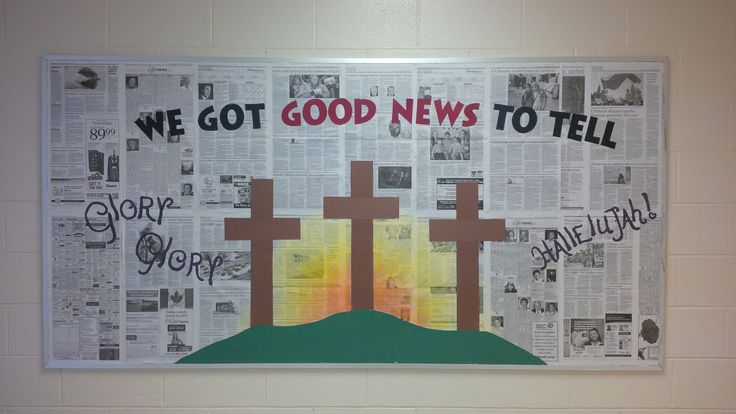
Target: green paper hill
361 336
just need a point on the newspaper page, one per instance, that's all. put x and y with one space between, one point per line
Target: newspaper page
223 306
436 281
388 142
86 298
83 166
524 297
395 273
230 156
525 168
449 152
84 133
307 152
573 158
163 163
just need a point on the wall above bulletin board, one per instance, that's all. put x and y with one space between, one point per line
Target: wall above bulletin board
361 212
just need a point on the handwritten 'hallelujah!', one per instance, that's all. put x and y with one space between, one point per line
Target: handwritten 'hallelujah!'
614 222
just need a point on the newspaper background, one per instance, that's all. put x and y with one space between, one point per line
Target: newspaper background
537 182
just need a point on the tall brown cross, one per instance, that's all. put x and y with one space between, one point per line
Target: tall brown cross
262 229
467 230
361 208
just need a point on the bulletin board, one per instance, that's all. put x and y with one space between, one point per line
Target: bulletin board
353 212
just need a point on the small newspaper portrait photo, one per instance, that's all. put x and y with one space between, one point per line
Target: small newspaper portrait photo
131 82
425 92
524 236
206 91
510 236
497 322
509 287
185 82
537 275
131 144
550 235
187 190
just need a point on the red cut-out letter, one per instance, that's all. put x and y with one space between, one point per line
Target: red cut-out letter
404 111
347 111
359 104
443 111
289 119
423 111
470 116
321 111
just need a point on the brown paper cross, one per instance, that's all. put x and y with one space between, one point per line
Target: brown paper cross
262 229
361 208
467 230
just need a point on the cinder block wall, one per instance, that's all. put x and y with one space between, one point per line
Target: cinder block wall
698 37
